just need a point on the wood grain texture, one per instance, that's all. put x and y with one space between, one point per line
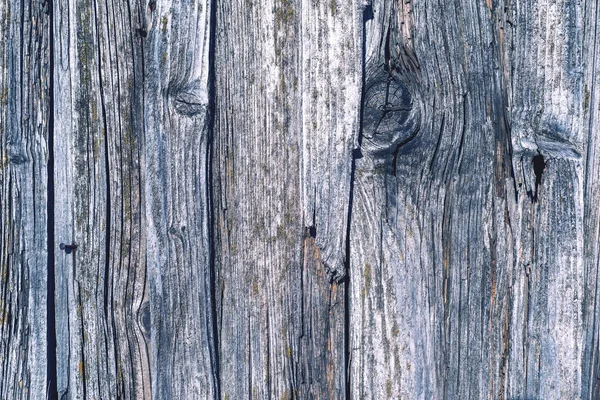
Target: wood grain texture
329 41
473 270
102 324
287 99
176 123
299 199
24 86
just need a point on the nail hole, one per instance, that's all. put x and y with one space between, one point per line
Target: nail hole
68 248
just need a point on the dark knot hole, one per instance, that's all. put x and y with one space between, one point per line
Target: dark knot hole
538 168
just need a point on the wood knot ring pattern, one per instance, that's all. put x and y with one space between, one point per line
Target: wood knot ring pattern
386 116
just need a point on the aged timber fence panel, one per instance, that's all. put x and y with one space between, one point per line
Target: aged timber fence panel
299 199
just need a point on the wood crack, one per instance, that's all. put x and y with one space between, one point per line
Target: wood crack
214 323
51 371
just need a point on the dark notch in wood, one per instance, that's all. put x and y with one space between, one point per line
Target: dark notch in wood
387 53
367 16
46 6
538 168
311 231
51 374
463 132
346 278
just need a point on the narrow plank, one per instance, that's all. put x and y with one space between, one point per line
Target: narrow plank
124 300
330 64
184 361
101 292
24 119
80 206
554 114
287 77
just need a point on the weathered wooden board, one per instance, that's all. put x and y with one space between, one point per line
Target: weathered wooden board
288 81
474 267
102 327
176 132
24 119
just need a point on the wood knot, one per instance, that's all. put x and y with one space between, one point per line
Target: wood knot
144 320
390 117
191 100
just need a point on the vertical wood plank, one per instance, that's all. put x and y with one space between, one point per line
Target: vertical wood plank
81 204
589 100
124 301
553 74
474 268
257 210
288 78
330 45
176 132
24 118
101 295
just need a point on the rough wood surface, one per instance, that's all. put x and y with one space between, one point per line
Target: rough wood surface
474 263
176 105
282 158
299 199
24 85
102 322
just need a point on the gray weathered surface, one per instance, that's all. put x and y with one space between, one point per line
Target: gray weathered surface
468 279
299 199
183 347
24 82
101 296
282 159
